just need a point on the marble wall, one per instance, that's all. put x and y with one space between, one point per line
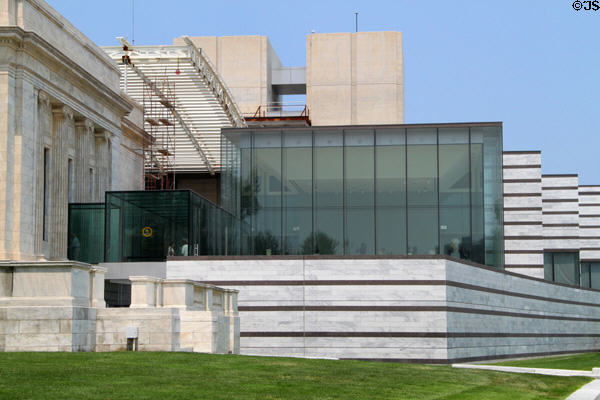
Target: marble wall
404 308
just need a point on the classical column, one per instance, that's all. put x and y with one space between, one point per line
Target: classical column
102 169
62 123
44 118
83 136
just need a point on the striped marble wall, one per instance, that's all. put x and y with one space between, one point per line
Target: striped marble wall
549 212
589 223
523 232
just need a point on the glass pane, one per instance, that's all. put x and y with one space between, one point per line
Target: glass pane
391 198
86 233
298 238
493 195
548 267
422 193
455 219
267 218
297 198
247 201
360 200
566 268
328 196
585 275
477 216
329 231
328 177
595 275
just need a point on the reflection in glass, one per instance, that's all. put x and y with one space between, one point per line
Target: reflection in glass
390 172
422 192
454 186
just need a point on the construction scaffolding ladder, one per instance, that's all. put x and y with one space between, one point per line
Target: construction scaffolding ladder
159 122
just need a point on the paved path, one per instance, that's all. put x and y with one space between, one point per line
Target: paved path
591 391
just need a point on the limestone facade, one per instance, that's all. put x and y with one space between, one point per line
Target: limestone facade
349 78
355 78
61 129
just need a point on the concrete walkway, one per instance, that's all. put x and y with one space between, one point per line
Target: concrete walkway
591 391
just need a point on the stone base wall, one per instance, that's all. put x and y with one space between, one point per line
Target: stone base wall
59 306
406 308
47 329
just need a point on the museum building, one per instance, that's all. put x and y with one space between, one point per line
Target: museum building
346 232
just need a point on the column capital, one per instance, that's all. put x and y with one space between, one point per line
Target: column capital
86 124
43 99
102 134
64 111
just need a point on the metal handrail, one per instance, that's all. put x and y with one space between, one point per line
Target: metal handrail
263 110
213 80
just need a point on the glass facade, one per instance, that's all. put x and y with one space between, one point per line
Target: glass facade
86 232
405 189
149 226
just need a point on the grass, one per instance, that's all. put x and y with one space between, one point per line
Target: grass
204 376
583 362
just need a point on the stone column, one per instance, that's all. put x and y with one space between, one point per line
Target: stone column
84 131
62 122
44 117
102 169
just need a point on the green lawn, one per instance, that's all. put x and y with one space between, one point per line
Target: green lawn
202 376
584 362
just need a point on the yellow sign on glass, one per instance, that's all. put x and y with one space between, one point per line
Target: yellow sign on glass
146 231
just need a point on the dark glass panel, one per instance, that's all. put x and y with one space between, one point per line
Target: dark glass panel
297 194
86 232
422 193
566 268
329 200
454 187
477 216
360 197
595 275
267 219
390 172
585 279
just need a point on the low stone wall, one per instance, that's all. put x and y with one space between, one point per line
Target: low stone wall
406 308
49 306
59 306
173 315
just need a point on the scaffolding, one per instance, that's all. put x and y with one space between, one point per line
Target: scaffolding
159 122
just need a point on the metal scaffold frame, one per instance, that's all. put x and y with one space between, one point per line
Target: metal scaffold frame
159 122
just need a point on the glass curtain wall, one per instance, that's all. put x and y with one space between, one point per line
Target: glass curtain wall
86 232
152 225
368 190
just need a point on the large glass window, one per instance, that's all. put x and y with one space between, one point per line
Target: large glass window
266 226
328 193
390 172
422 191
455 192
359 165
562 267
590 275
355 190
297 192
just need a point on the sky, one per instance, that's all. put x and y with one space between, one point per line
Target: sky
534 65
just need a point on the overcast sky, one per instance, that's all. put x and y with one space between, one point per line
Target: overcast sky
534 65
